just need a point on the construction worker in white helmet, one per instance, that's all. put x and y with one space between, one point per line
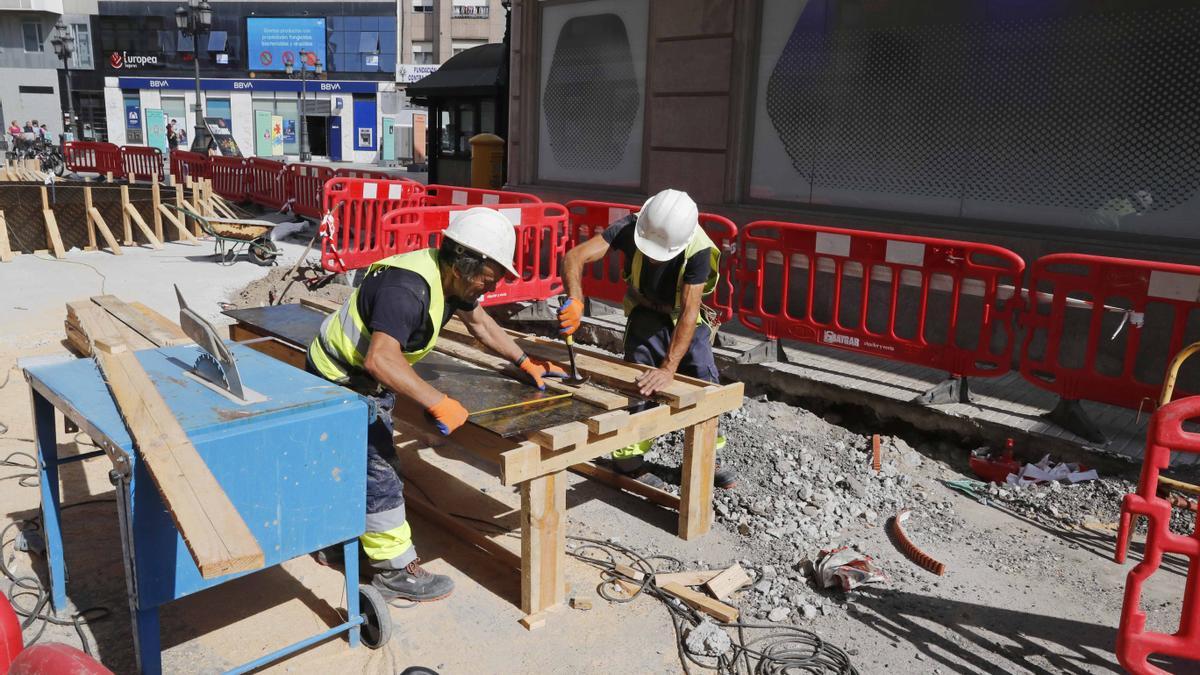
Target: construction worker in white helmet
390 322
670 265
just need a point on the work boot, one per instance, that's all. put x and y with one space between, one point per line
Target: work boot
725 479
334 556
413 583
637 468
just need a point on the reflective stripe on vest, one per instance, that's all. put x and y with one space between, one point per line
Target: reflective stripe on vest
699 242
340 348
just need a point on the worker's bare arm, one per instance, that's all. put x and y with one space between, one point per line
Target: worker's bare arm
386 363
486 330
572 273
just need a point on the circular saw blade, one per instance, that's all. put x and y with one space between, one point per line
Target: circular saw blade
209 368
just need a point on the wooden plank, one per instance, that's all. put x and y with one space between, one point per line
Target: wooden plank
415 503
628 572
184 234
727 581
695 490
52 236
217 538
156 202
608 422
623 482
97 221
126 226
321 304
595 354
688 578
92 323
523 463
132 214
560 436
543 542
136 320
163 323
6 253
700 602
273 347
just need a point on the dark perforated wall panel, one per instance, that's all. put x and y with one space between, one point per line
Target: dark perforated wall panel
1058 115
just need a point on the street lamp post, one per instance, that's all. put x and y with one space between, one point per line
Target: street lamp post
64 46
305 155
195 20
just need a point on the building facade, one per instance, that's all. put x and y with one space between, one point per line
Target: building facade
1041 126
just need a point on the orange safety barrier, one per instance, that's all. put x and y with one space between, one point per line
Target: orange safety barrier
541 241
266 182
93 157
141 163
604 279
229 177
453 195
185 164
304 184
939 303
354 209
1102 329
1135 645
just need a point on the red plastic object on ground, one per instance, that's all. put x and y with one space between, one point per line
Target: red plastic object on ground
55 658
1135 644
94 157
996 469
1081 303
899 297
11 641
141 163
603 280
541 242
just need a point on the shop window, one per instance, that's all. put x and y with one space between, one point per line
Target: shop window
32 32
593 65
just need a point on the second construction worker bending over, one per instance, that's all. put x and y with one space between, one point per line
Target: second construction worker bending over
391 321
670 265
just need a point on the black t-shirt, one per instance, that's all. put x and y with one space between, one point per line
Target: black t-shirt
396 301
659 281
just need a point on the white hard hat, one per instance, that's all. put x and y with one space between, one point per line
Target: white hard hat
665 225
486 232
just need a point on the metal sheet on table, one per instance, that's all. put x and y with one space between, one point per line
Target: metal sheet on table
292 323
480 389
476 388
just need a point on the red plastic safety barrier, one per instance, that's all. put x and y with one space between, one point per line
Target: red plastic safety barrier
93 157
356 207
452 195
266 182
1091 320
186 164
365 173
604 279
229 177
933 302
541 241
1135 644
141 163
304 184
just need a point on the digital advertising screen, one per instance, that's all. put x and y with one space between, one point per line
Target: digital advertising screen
272 42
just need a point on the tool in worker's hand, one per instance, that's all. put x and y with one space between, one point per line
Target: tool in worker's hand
215 364
519 404
574 378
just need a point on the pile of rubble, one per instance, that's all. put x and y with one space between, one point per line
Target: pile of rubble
1091 504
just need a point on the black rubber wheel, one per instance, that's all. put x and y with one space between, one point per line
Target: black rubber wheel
377 619
264 251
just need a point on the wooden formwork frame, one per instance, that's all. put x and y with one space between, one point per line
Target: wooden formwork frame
536 465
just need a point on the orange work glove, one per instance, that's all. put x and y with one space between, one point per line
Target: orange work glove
569 316
537 369
447 415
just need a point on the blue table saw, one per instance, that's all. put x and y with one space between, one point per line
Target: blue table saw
293 464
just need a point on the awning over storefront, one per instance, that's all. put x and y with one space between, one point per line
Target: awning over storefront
475 72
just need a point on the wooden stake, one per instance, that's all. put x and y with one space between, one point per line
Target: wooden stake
157 198
126 226
695 492
108 177
699 601
184 235
6 254
543 542
727 581
53 239
97 220
132 214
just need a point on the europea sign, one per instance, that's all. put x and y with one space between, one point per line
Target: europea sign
127 61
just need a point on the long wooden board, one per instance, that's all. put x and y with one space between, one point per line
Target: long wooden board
217 538
6 253
139 322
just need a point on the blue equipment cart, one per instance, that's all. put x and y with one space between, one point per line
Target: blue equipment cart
293 465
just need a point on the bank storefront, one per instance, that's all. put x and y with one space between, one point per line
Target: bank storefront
347 50
341 118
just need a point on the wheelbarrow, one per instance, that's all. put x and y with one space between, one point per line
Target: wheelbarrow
233 236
